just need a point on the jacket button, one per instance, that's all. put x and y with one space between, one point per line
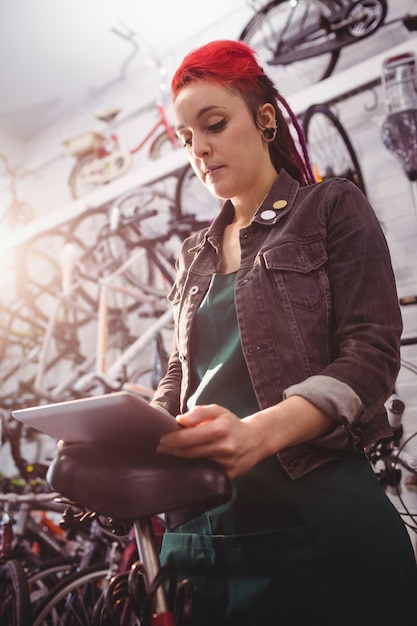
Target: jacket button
181 357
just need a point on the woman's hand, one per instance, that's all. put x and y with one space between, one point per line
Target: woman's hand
213 432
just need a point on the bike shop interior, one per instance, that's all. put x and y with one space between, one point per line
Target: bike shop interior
131 72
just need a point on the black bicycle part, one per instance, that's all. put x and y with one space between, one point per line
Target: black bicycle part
302 40
14 595
330 148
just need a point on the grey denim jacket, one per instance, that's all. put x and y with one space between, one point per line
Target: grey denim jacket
317 309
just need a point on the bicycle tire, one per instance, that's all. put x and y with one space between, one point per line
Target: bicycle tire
330 148
270 32
61 602
163 145
192 198
41 580
65 352
77 187
39 269
14 595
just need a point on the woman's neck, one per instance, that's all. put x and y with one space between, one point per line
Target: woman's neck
246 206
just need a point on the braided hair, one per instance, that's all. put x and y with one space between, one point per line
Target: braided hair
232 64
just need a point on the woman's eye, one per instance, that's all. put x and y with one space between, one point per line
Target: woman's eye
217 127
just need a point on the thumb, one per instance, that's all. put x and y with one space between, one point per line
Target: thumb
199 415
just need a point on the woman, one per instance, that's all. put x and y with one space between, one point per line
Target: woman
286 348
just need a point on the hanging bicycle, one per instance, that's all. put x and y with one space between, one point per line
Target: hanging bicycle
300 41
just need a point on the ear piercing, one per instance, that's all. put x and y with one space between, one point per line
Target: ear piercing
270 133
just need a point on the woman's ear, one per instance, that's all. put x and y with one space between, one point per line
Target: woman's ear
266 116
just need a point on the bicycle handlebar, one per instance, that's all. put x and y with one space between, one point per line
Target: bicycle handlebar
16 498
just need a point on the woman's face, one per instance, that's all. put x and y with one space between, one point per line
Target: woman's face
225 147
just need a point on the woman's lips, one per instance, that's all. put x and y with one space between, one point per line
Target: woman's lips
211 172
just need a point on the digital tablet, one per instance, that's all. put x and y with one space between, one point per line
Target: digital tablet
119 417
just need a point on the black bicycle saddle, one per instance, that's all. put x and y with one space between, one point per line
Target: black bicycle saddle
126 485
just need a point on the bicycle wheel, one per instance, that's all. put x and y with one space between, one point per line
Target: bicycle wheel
39 270
367 15
192 198
21 332
72 601
102 253
163 145
78 182
14 595
43 579
287 36
66 350
331 151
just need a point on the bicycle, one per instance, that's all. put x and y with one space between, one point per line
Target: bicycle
112 303
100 158
29 533
61 274
389 457
23 536
105 480
301 41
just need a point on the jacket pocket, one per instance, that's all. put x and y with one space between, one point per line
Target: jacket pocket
299 271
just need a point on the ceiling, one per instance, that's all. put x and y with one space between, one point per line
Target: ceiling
57 55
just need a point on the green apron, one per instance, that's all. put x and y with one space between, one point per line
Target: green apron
283 552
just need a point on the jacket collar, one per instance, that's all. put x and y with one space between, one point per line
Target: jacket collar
276 204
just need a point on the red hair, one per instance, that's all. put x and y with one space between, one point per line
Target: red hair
228 63
232 64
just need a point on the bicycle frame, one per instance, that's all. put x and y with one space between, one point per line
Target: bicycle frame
161 121
113 142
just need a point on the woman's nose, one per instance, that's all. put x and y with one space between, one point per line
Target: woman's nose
200 146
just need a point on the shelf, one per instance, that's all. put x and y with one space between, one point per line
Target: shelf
148 173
